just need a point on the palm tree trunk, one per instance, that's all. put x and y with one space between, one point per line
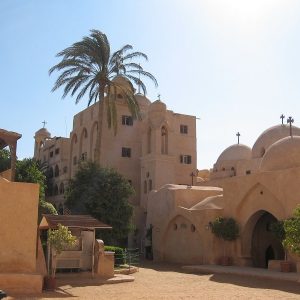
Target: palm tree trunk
97 153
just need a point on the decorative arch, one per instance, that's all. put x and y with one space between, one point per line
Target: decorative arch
56 171
93 137
164 139
83 145
259 197
61 188
72 151
55 190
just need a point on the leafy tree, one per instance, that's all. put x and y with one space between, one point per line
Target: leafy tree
4 160
102 193
31 171
28 170
88 67
292 232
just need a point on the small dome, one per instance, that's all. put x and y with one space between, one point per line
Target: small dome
283 154
158 106
43 132
142 100
270 136
235 152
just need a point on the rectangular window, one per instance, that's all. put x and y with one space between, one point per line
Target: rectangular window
184 129
126 152
186 159
56 151
51 154
74 160
127 120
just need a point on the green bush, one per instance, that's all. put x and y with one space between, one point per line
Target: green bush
120 256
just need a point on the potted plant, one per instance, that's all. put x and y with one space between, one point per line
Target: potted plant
292 234
226 229
277 228
58 240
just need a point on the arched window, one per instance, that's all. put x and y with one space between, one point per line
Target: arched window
50 172
55 190
56 171
145 187
61 188
149 140
164 140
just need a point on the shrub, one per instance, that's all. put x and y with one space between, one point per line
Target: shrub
120 257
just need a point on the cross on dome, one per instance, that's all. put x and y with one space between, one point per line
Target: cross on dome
290 121
282 117
238 135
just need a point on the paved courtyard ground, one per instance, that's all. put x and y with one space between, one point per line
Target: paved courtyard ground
162 281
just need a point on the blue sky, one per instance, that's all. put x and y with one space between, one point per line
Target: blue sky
235 64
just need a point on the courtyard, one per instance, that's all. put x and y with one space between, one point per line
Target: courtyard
165 281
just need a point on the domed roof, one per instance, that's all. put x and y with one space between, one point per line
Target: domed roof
43 132
123 81
270 136
283 154
142 99
158 106
235 152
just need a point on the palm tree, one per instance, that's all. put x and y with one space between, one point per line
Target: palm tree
88 67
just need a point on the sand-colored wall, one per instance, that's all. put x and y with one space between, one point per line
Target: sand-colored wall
19 211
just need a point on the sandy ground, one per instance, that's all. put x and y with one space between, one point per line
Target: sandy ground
161 281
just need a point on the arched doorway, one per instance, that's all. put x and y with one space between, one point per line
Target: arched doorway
265 246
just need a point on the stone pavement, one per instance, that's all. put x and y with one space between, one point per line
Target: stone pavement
243 271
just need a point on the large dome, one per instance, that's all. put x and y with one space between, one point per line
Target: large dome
270 136
235 152
283 154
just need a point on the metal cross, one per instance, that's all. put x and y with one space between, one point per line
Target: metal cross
282 117
193 175
290 121
158 96
44 122
238 135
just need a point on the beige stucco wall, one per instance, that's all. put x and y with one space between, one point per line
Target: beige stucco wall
19 210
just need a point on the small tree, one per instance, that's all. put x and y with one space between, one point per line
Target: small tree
59 239
226 229
103 193
292 232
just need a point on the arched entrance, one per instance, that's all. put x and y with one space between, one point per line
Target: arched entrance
264 246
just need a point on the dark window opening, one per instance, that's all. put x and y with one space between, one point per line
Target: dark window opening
184 129
127 120
56 151
186 159
51 154
248 172
126 152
